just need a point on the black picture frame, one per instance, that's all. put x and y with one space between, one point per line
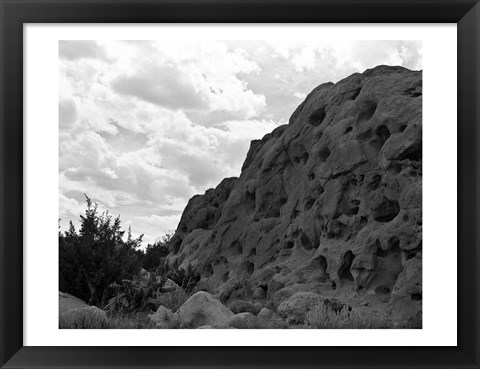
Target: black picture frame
15 13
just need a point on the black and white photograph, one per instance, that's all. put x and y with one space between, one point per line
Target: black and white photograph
240 184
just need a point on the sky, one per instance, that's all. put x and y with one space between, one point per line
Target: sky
145 125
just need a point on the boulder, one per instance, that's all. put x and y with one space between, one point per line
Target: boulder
164 318
266 314
202 309
241 321
75 313
295 309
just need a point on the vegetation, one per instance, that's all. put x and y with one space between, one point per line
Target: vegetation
67 320
97 257
323 317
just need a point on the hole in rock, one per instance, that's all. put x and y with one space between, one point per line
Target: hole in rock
413 153
393 242
395 168
349 129
236 247
309 204
374 182
362 223
317 117
416 296
250 268
352 211
307 245
290 245
344 272
322 263
367 109
381 136
225 277
250 200
305 157
402 128
382 290
311 176
387 211
324 154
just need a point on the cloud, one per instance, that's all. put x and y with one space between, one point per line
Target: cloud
145 125
75 50
68 114
162 85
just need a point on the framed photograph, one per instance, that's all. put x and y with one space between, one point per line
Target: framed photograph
239 184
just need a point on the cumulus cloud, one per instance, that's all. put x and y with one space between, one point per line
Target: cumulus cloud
68 113
75 50
163 85
145 125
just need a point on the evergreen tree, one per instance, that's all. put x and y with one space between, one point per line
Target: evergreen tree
96 256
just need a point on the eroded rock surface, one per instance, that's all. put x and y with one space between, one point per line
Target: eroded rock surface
330 203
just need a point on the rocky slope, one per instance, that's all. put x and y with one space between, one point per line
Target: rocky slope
329 203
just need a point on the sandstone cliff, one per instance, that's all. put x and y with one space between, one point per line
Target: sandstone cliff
329 203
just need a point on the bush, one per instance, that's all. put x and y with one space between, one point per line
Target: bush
96 256
187 278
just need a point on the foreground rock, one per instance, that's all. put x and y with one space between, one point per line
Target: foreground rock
164 319
202 310
241 321
75 313
330 203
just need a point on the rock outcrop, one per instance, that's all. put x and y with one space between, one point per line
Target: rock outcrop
330 203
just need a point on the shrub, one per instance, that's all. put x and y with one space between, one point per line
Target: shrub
187 278
96 256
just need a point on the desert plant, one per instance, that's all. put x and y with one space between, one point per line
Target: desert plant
186 278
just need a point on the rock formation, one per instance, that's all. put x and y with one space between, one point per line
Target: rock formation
330 203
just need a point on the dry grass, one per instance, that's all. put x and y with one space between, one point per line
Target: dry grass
91 321
69 320
173 300
254 322
322 317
